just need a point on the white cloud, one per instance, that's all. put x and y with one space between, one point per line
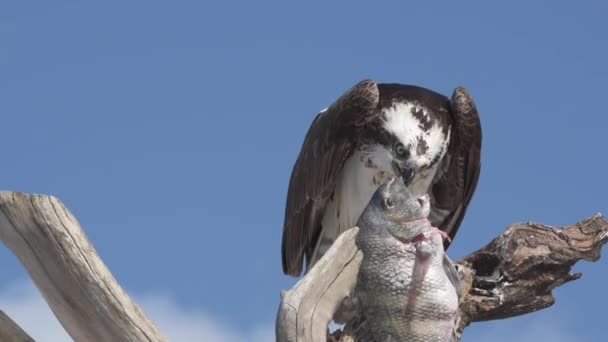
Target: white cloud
181 325
24 304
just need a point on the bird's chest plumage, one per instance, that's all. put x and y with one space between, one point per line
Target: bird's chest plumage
367 168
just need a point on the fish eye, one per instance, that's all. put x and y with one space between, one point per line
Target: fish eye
388 203
400 150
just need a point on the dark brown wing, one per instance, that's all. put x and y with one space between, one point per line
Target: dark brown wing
331 139
455 183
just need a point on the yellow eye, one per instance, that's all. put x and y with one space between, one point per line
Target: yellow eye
400 150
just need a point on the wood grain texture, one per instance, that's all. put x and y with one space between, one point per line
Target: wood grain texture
307 308
63 264
513 275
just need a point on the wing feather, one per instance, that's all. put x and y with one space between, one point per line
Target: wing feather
455 185
330 141
452 273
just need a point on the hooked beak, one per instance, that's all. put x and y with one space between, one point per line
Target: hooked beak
406 171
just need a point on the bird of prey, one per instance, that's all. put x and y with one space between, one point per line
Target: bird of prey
370 134
407 288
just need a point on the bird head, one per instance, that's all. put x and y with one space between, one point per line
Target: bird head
418 126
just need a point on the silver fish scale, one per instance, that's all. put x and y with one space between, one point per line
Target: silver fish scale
385 286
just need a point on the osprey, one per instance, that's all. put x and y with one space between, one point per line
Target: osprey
372 133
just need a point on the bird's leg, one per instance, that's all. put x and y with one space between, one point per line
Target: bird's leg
443 234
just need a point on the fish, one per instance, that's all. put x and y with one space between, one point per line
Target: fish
407 287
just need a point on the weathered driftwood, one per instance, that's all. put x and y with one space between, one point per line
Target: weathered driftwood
79 288
308 307
10 331
513 275
516 272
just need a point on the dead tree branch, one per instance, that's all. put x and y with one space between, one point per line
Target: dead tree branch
309 306
64 265
516 272
511 276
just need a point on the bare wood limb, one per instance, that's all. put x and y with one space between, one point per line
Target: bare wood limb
62 262
516 272
308 307
10 331
513 275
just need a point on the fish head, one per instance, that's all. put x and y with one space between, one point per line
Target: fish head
393 207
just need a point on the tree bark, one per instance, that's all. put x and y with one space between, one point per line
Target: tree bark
511 276
74 281
516 272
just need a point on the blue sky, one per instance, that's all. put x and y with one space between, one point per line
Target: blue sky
170 130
